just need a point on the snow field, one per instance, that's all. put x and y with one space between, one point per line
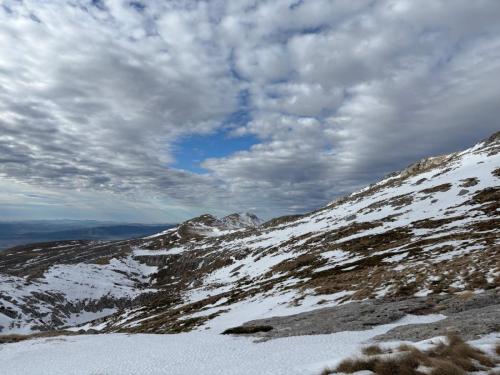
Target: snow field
187 353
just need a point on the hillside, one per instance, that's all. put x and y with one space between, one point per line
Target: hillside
412 257
430 229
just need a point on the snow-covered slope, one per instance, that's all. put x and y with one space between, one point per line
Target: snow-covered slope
57 298
432 228
189 353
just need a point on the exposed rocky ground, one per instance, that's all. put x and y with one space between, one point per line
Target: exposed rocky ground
468 315
420 241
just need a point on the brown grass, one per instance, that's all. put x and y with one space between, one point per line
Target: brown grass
466 295
357 364
372 350
442 187
405 348
453 357
388 367
102 261
401 365
9 339
446 368
497 349
461 354
405 365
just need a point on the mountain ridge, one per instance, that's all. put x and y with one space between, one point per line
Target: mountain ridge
431 228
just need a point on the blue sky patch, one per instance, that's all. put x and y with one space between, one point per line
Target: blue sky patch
191 151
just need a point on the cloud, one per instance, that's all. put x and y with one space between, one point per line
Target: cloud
94 96
369 94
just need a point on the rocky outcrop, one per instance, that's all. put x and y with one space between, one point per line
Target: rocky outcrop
468 315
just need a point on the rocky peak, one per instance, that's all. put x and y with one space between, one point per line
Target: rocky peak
205 219
494 138
241 220
208 225
425 165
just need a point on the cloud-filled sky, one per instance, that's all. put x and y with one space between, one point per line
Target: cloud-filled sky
162 110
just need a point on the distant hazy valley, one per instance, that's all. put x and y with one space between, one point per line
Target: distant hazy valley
15 233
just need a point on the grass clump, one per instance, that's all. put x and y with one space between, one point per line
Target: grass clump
404 365
102 261
447 368
372 350
349 366
400 365
458 352
451 357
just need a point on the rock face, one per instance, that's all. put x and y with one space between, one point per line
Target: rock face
467 315
428 231
425 165
241 220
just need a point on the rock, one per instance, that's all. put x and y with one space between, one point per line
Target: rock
470 318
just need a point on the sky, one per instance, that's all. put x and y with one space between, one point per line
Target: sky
157 111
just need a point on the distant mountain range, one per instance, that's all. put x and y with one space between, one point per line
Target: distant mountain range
26 232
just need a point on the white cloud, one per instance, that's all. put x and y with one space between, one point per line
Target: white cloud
93 96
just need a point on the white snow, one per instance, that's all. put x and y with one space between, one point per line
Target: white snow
186 353
77 283
87 316
171 251
161 233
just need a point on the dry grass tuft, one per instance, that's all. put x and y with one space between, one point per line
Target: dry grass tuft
102 261
405 365
400 365
372 350
12 338
451 357
7 339
434 189
349 366
466 295
405 348
460 353
388 367
446 368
